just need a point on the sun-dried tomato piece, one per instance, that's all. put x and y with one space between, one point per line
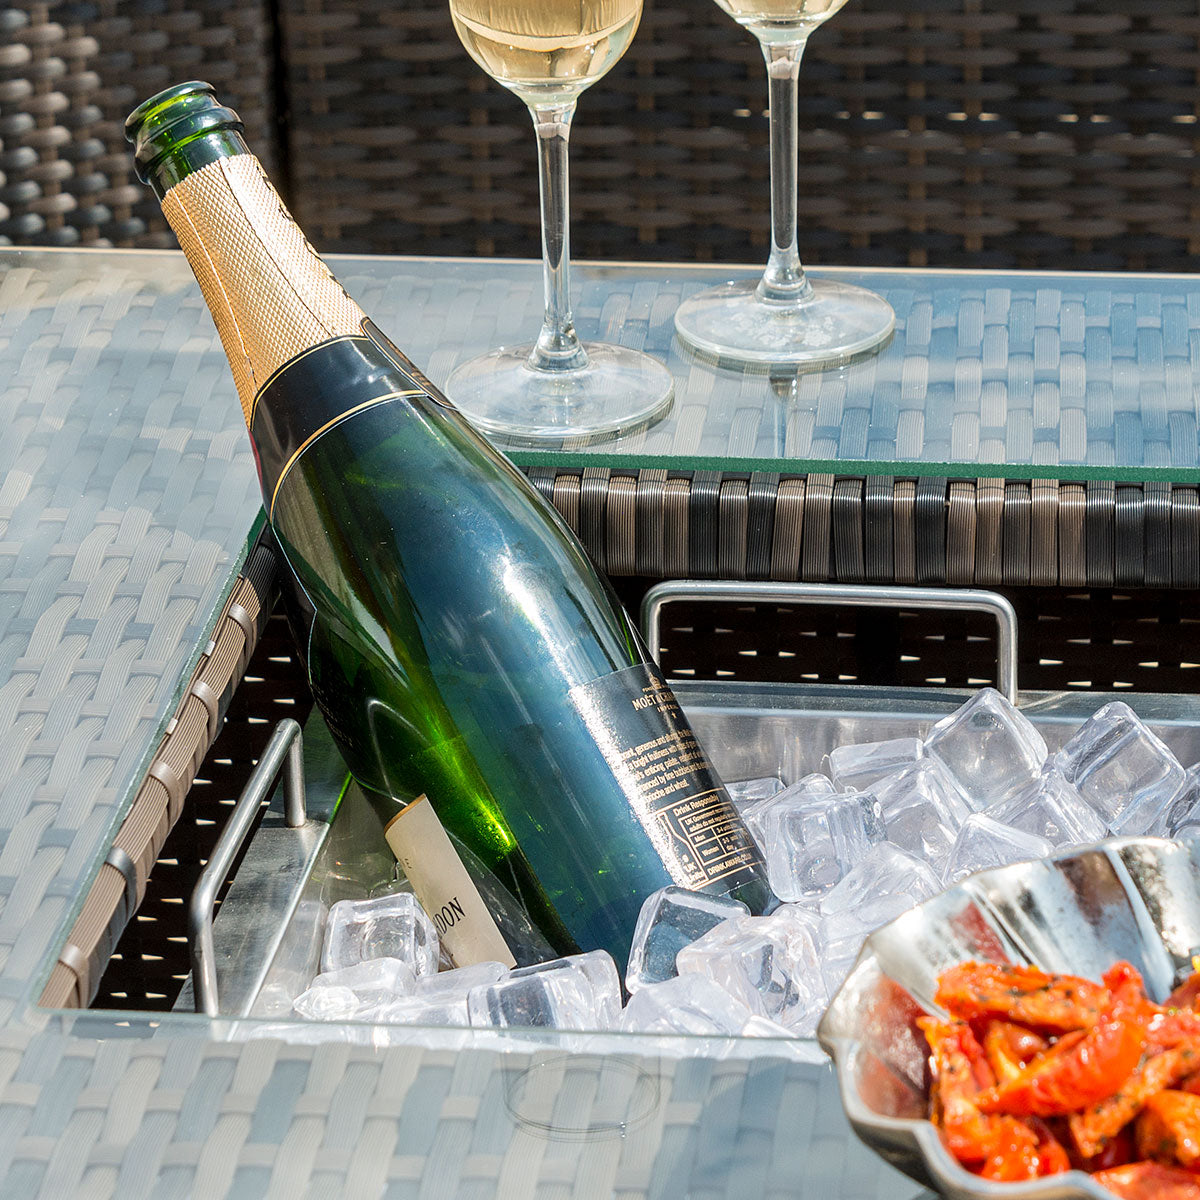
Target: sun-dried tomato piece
959 1069
1175 1027
1027 995
1053 1158
1010 1048
1093 1128
1149 1181
1120 1150
1079 1070
1023 1150
1168 1129
1127 994
1187 994
1014 1151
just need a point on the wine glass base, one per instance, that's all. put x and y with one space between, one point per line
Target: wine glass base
500 393
834 324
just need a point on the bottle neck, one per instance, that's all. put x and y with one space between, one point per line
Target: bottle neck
271 296
185 158
179 131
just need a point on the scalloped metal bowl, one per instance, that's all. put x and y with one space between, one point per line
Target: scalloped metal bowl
1128 898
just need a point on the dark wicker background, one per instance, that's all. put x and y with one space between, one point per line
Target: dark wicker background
1019 133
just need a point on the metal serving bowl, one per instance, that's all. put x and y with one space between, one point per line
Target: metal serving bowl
1136 899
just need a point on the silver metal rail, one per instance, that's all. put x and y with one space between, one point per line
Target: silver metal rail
853 595
284 751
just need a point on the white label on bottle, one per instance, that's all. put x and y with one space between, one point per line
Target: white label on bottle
443 886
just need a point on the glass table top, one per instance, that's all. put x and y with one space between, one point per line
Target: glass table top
128 498
988 373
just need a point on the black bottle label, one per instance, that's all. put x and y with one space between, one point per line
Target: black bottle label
667 779
315 391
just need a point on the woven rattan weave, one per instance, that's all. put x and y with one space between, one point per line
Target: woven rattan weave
1057 134
950 132
70 71
853 529
118 890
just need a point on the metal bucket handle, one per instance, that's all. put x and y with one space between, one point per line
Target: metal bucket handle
854 595
284 750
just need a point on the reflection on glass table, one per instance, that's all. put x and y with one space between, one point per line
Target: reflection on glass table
988 373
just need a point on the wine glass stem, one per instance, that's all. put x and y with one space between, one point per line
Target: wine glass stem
558 347
784 280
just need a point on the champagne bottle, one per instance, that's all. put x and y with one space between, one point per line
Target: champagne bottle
479 676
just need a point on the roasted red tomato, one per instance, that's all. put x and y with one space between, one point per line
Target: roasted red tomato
1079 1070
1026 995
1094 1127
1119 1151
1149 1181
959 1071
1014 1152
1010 1048
1168 1129
1186 994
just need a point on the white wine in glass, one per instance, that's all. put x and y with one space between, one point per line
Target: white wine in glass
783 13
784 317
545 48
547 52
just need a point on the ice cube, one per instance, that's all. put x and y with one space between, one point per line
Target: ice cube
984 842
449 1009
771 964
815 784
744 792
760 1026
439 999
843 940
855 768
989 747
459 981
1181 817
887 882
1121 769
923 809
373 981
790 1042
686 1004
390 926
557 999
327 1002
809 788
1053 809
670 919
809 842
598 968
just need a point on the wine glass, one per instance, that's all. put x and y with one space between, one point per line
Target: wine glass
784 317
548 52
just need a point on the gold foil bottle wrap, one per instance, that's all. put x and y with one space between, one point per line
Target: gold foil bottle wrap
270 294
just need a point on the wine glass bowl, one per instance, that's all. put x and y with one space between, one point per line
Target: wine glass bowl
785 317
547 52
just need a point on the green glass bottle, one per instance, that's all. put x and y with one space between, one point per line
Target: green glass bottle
458 642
